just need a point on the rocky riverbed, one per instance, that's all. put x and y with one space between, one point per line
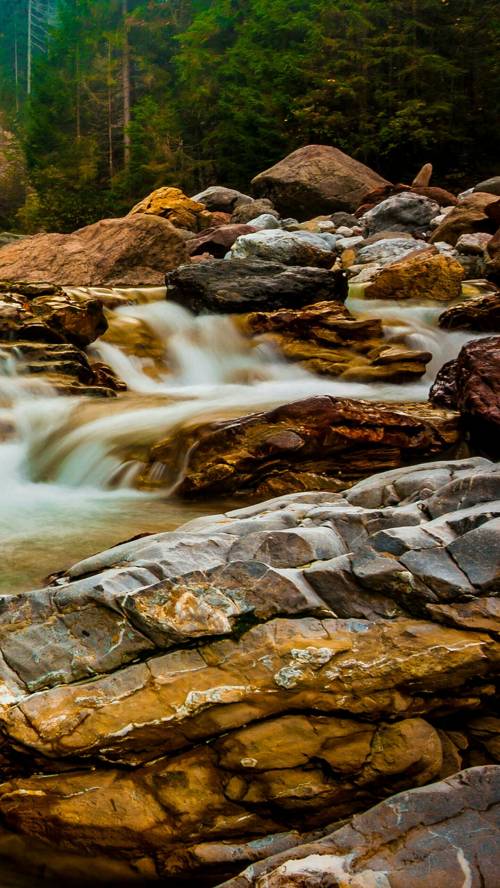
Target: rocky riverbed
249 536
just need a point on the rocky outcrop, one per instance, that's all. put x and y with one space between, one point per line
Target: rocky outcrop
134 251
481 313
320 442
471 384
325 338
180 210
419 838
316 179
288 247
423 274
190 702
242 285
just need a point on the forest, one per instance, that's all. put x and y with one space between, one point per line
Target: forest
112 98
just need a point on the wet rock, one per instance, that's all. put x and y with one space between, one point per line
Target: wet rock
217 241
423 837
424 274
471 384
288 247
134 251
173 205
242 285
401 212
480 313
316 179
220 199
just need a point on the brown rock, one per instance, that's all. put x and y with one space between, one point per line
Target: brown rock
468 217
493 265
217 241
440 195
423 177
314 180
423 274
134 251
180 210
480 313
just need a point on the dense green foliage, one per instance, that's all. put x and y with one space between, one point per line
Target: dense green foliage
131 94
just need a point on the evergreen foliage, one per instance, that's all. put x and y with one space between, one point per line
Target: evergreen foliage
133 94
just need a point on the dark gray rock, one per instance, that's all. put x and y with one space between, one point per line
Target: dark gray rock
401 212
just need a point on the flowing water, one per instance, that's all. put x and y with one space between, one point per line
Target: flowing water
66 487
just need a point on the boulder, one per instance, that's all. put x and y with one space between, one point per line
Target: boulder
481 313
386 250
438 195
265 221
217 241
173 205
316 179
188 703
468 217
419 838
401 212
242 285
471 384
422 274
489 186
244 213
218 199
288 247
131 252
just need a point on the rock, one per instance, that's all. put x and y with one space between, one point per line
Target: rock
217 241
475 244
244 213
265 221
471 384
467 218
220 199
423 177
173 205
326 339
287 247
419 838
481 313
387 250
321 441
489 186
401 212
187 703
374 198
316 179
342 218
242 285
493 263
424 274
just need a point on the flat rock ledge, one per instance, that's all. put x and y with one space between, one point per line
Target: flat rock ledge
189 703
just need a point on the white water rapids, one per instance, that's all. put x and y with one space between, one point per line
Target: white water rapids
211 371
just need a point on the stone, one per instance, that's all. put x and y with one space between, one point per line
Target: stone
481 313
401 212
387 250
422 837
471 384
244 213
217 241
288 247
489 186
493 264
476 244
423 177
173 205
134 251
242 285
217 198
265 221
424 274
467 218
314 180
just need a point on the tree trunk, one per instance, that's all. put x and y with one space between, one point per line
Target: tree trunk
126 87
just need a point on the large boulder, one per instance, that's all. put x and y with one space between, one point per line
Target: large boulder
471 384
287 247
314 180
242 285
422 274
419 838
134 251
401 212
180 210
218 199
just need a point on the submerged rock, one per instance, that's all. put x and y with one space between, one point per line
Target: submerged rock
314 180
242 285
134 251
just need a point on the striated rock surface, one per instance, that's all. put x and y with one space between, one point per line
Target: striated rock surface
471 384
134 251
419 838
191 702
172 204
314 180
480 313
424 274
241 285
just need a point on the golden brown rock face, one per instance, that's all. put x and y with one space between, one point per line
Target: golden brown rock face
326 339
172 204
425 274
